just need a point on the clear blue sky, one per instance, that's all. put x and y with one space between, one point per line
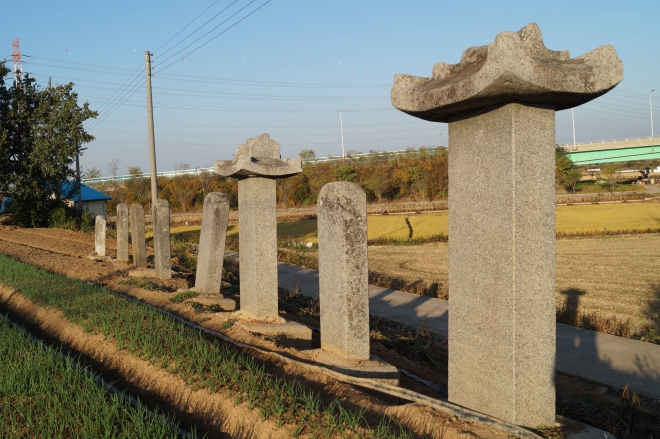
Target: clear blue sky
289 68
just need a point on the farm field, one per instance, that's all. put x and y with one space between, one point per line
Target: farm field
571 221
611 274
82 314
43 395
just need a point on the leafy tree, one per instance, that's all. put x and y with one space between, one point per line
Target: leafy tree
571 178
345 173
135 172
610 174
41 132
563 164
308 155
93 173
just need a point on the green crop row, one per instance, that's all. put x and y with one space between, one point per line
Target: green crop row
44 395
201 362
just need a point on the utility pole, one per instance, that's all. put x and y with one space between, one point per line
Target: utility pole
79 182
341 127
573 117
651 108
152 141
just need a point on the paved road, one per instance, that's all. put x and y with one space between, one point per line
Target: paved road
599 357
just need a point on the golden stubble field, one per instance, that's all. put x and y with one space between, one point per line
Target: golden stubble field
615 274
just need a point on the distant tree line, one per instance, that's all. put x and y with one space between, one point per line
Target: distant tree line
417 174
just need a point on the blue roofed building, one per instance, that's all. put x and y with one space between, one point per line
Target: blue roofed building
92 200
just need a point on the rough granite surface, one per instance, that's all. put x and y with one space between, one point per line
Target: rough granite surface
122 232
502 263
258 246
258 157
99 235
516 67
343 270
162 253
211 253
138 239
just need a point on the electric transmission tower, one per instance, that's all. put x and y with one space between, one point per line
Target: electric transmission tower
18 64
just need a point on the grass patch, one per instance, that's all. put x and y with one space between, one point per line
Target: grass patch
202 362
45 395
178 298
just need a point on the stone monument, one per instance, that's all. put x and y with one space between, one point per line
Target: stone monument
122 232
500 102
99 235
138 237
256 165
343 270
162 253
211 253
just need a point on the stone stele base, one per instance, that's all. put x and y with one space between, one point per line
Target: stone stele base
374 368
502 262
215 299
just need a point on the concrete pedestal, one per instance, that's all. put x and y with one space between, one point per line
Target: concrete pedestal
122 232
138 237
257 227
502 262
162 253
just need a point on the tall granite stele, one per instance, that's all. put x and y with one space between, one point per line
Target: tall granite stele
500 102
122 232
257 164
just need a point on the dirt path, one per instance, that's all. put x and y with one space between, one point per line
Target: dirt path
66 253
614 275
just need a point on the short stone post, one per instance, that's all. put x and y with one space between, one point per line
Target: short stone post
257 163
343 270
137 236
122 232
211 253
162 254
99 235
500 103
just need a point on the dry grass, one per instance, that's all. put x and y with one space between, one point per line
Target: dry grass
614 275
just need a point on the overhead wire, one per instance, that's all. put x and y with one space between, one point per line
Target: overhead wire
221 33
184 28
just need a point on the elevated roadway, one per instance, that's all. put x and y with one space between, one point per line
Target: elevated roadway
610 151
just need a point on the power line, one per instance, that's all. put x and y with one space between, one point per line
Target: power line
202 45
193 20
212 18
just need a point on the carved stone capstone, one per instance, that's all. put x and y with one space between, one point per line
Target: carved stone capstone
516 67
258 157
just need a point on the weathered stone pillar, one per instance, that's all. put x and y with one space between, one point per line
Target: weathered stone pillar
137 236
500 102
343 270
99 235
257 163
211 253
122 232
162 254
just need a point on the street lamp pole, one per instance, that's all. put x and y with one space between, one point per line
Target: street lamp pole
651 108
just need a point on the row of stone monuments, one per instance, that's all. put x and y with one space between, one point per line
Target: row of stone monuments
500 102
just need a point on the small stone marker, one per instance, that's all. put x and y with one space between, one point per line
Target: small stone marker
256 165
500 102
211 253
99 235
138 240
162 253
122 232
343 270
